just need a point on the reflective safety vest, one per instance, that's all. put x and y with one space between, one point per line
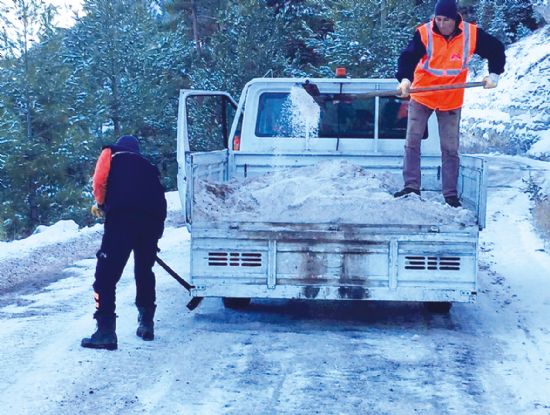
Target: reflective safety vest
445 63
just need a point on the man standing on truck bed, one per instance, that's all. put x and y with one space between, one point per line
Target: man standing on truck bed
128 191
439 54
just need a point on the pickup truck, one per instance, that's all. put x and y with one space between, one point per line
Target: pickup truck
219 139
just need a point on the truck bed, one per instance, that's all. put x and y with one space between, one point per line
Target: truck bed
216 168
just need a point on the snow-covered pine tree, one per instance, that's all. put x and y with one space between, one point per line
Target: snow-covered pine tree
31 176
125 76
368 36
508 20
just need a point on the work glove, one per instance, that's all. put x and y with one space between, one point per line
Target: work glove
96 211
404 88
490 81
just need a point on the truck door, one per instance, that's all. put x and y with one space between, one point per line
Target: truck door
204 121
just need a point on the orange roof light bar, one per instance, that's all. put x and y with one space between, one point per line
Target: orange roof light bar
341 72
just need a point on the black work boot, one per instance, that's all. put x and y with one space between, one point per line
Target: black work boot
145 329
453 201
105 335
406 191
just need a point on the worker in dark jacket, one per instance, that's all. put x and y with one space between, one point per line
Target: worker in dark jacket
129 194
439 54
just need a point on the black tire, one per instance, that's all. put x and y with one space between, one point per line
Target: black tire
235 303
438 307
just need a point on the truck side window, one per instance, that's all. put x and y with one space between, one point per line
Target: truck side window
272 120
392 122
209 122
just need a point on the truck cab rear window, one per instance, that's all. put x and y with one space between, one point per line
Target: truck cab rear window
296 114
392 121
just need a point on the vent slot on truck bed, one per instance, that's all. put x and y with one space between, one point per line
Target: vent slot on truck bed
432 263
234 259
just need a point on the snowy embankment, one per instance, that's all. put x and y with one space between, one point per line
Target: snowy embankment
515 116
62 231
40 258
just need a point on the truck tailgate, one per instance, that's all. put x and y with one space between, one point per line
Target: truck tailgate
325 261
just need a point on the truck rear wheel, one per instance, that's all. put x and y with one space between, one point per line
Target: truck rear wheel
235 303
439 307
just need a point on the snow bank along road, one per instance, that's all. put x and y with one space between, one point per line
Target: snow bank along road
295 357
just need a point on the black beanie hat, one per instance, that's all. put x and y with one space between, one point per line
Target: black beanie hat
446 8
128 143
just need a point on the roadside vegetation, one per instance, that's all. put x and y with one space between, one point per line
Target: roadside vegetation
64 93
541 215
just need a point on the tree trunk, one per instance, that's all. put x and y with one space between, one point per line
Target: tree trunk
25 19
115 106
383 13
196 37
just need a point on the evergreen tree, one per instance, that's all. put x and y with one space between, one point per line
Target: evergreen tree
247 45
26 141
508 20
368 36
300 20
120 77
198 18
10 126
105 49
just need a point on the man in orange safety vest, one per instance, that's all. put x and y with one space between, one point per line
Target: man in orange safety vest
439 54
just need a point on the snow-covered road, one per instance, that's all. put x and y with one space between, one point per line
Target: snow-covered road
298 357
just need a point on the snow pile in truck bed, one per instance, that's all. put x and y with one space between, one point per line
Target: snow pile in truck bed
328 192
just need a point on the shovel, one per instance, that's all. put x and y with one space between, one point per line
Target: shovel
313 90
195 301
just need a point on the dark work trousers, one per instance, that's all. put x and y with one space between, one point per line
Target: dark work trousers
449 125
123 234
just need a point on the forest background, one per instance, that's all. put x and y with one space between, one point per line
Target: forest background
66 92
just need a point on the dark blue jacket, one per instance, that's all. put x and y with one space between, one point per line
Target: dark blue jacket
134 187
487 46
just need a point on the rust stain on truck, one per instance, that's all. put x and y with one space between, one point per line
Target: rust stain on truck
353 292
330 268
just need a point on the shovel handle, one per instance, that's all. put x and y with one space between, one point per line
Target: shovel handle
173 273
195 301
444 87
393 93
